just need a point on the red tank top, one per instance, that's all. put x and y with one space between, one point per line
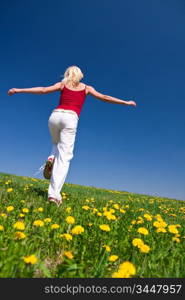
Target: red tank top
72 100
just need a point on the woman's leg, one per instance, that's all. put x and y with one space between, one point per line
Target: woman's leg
64 154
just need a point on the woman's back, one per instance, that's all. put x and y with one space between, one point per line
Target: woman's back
72 99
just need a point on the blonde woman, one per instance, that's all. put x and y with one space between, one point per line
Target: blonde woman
63 123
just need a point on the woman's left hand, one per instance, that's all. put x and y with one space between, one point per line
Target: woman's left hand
11 92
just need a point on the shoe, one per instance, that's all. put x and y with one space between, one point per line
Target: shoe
56 201
48 168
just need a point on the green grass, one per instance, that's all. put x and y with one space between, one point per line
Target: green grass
90 259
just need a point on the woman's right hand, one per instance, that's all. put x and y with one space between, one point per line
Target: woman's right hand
12 91
133 103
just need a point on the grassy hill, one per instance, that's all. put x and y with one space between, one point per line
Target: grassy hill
94 233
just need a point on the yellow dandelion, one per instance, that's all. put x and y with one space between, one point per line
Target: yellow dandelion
99 214
70 220
122 211
68 209
9 208
19 225
67 236
161 229
20 235
47 220
144 248
107 248
31 259
113 258
176 239
68 254
55 226
173 229
3 215
38 223
25 210
133 222
148 217
9 190
90 224
104 227
143 230
85 207
126 270
78 229
40 209
1 228
111 217
116 206
21 215
137 242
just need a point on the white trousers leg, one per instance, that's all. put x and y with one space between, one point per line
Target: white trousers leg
63 127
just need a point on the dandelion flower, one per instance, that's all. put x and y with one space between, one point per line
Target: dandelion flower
68 209
116 206
148 217
55 226
137 242
161 229
1 228
144 248
47 220
78 229
31 259
3 215
107 248
40 209
9 190
25 210
68 254
143 230
176 239
104 227
9 208
126 270
85 207
19 225
113 258
70 220
38 223
122 211
20 235
67 236
173 229
21 215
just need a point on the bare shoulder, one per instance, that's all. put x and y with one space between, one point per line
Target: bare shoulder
89 88
61 85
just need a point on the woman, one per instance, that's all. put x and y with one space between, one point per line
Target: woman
63 124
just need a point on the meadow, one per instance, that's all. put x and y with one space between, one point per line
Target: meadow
94 233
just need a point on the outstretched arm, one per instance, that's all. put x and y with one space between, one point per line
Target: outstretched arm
37 90
107 98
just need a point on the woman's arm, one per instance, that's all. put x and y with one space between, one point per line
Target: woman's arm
37 90
107 98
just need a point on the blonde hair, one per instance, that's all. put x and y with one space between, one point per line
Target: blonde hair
72 75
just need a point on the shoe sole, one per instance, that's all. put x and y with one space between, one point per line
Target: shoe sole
48 169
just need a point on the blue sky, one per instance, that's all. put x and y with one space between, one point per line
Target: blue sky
128 49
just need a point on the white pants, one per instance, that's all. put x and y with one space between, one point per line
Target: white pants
63 126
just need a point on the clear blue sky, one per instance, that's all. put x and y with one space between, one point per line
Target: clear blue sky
128 49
